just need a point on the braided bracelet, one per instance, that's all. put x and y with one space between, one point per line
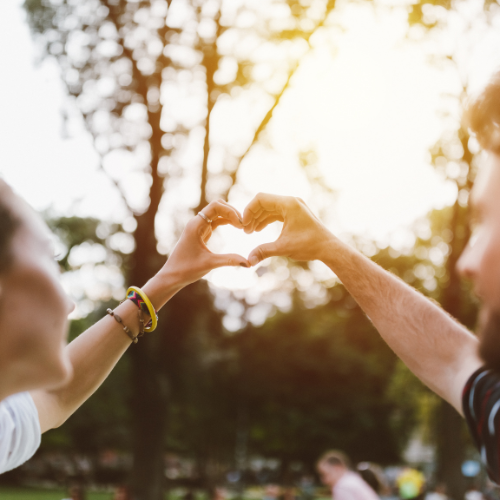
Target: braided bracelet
141 300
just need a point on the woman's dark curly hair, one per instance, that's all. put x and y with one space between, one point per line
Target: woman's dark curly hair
8 226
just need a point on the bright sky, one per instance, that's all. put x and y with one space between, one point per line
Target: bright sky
367 102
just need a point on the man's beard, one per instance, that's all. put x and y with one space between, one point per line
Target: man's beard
489 334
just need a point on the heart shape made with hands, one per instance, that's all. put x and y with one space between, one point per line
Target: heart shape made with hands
302 237
233 240
255 218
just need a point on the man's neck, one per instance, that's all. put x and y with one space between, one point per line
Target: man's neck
340 476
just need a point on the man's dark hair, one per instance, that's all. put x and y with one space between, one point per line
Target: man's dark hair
367 472
8 226
335 458
482 116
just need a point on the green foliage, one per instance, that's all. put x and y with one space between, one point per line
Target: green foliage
73 231
414 405
306 380
315 379
44 494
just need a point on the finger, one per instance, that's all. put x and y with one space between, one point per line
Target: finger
207 230
228 259
264 216
217 209
263 202
255 222
220 222
265 222
264 251
258 218
237 211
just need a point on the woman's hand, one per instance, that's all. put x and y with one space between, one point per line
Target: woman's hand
191 259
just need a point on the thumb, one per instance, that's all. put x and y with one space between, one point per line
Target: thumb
262 252
228 259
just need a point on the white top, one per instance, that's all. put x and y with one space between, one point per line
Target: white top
20 433
352 487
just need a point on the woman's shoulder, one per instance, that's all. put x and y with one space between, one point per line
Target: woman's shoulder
20 433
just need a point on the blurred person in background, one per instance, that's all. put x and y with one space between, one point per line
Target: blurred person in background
289 493
43 380
218 493
374 476
271 492
122 493
491 491
76 492
334 471
411 483
306 487
439 492
442 353
473 493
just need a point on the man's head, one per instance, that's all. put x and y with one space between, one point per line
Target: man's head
481 259
33 305
331 466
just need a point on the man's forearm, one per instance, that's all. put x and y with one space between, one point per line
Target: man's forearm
436 348
94 354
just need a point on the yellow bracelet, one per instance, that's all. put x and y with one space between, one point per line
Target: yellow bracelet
141 300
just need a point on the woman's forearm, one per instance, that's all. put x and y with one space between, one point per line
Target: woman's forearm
434 346
94 354
96 351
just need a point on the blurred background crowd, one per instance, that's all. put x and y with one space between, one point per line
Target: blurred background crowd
107 478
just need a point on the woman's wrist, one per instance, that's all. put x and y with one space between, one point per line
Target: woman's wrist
161 288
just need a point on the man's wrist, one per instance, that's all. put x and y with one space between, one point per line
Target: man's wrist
330 245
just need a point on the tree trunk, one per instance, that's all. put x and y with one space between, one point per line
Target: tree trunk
211 63
451 450
149 384
149 402
451 445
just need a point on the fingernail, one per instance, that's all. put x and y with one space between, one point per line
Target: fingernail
253 260
243 264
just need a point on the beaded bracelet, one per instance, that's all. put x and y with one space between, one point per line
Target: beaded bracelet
126 329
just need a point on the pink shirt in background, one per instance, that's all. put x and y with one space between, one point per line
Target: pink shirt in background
352 487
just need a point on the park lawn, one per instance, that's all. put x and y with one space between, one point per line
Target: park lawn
38 494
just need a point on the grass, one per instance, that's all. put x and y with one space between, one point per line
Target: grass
59 494
37 494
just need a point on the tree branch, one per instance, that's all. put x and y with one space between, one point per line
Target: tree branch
117 185
267 118
211 63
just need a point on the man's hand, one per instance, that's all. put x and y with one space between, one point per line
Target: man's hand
303 236
191 259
